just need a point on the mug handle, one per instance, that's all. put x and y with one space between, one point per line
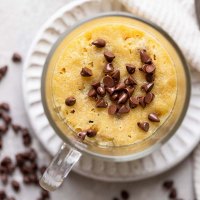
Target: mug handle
59 168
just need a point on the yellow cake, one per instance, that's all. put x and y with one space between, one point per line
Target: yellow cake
126 43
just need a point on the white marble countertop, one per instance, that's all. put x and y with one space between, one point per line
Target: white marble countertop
20 21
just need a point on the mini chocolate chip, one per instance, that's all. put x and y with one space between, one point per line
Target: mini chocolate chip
101 91
168 184
91 132
92 93
70 101
109 56
16 128
130 68
45 194
142 101
150 77
26 139
120 86
125 195
26 180
86 72
145 57
82 135
15 186
108 81
114 96
112 109
133 102
110 90
16 57
90 121
72 111
149 69
153 117
144 126
101 103
3 195
173 193
7 119
4 179
5 106
3 129
116 76
122 98
95 85
123 109
3 70
108 68
149 98
147 87
129 90
99 43
6 161
130 81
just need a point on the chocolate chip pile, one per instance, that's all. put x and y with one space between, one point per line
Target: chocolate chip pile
120 92
25 162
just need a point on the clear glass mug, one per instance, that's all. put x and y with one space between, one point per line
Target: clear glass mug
72 149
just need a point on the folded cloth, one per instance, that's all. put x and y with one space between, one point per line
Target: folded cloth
177 18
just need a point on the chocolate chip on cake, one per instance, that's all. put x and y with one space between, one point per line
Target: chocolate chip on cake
112 109
108 68
120 86
91 132
130 68
153 117
99 43
122 98
101 91
147 87
108 81
92 93
101 103
114 96
129 90
86 72
70 101
133 102
109 56
110 90
143 125
130 81
16 58
82 135
116 76
150 77
95 85
145 57
149 69
149 98
123 109
142 101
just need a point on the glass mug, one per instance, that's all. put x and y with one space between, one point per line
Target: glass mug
71 150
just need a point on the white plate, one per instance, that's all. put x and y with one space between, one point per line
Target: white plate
174 151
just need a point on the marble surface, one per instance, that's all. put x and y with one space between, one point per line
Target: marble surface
20 21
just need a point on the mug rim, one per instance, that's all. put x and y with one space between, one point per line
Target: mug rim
154 146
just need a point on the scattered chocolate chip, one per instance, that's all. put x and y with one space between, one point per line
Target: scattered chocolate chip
3 195
101 91
116 76
82 135
173 193
109 56
149 98
5 106
150 77
123 109
16 128
133 102
4 179
45 194
108 81
147 87
129 90
26 180
168 184
101 103
27 140
70 101
3 129
124 194
144 126
99 43
145 57
114 96
86 72
95 85
108 68
90 121
110 90
15 186
130 68
92 93
120 86
6 161
7 119
130 81
72 111
91 132
43 169
122 98
3 70
142 101
16 57
112 109
149 69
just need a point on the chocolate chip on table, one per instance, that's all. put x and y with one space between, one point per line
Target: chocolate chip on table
110 90
125 195
147 87
101 91
95 85
173 193
44 194
129 90
15 185
116 76
145 57
42 169
81 135
108 81
130 68
16 128
109 56
5 107
108 68
70 101
112 109
133 102
149 98
86 72
92 93
99 43
142 101
168 184
130 81
122 98
16 57
7 119
3 195
3 70
150 77
4 179
123 109
143 125
91 132
101 103
120 86
3 129
27 140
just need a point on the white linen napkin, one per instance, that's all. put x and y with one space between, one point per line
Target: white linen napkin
177 18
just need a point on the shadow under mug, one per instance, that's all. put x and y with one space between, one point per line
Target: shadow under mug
72 149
